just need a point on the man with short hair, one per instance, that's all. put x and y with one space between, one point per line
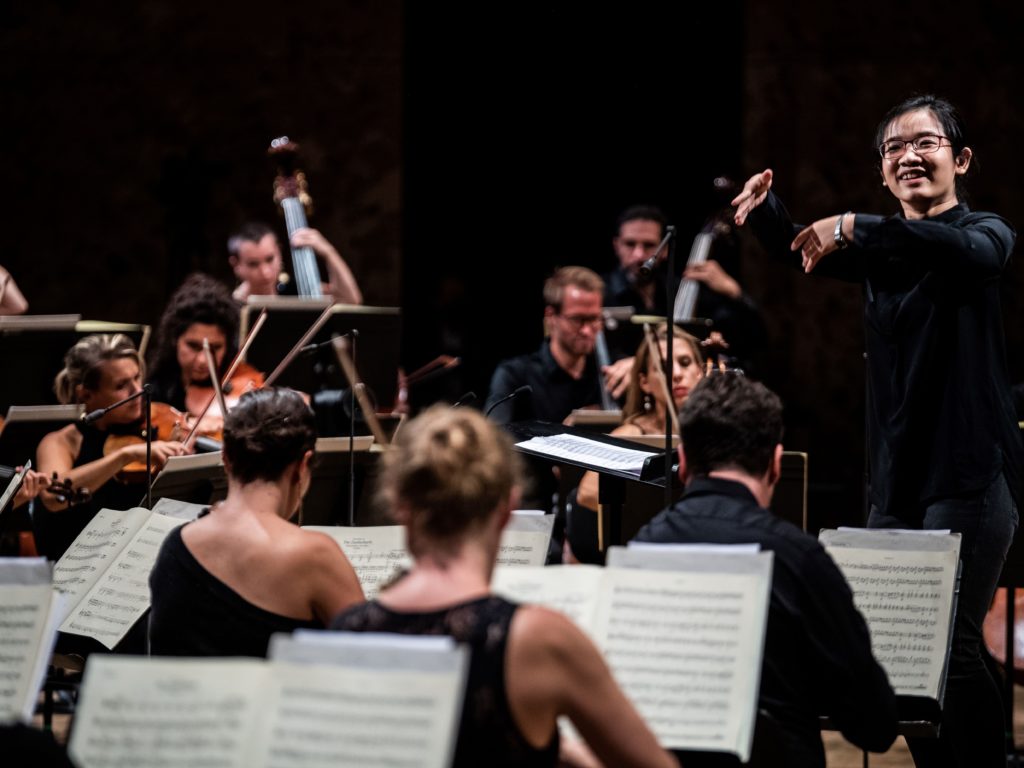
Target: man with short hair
562 373
255 257
817 655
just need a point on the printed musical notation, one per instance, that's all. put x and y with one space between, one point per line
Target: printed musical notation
906 599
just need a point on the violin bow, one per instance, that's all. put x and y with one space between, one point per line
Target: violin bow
659 376
287 360
218 384
211 365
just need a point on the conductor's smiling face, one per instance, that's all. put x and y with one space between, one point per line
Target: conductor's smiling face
259 265
923 179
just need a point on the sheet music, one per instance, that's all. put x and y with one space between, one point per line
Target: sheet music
151 712
571 589
27 634
367 700
588 451
525 539
903 583
685 646
377 553
121 595
93 550
183 510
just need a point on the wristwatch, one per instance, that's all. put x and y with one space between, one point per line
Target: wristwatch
840 240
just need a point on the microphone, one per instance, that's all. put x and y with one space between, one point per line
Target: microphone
648 266
310 348
523 390
99 413
469 397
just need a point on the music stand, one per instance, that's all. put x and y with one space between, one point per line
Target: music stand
195 479
327 500
26 425
288 318
39 343
612 483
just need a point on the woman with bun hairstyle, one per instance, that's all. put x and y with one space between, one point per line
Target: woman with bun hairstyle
225 583
452 481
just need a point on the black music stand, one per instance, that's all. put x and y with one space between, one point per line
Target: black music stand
196 479
327 502
288 318
612 483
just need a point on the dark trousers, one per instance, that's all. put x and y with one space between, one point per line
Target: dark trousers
971 732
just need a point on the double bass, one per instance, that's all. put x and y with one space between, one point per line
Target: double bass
291 192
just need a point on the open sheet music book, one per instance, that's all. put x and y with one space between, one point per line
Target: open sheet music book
378 553
593 452
347 700
903 583
683 633
104 575
28 629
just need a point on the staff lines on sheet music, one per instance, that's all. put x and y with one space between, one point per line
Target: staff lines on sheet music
572 447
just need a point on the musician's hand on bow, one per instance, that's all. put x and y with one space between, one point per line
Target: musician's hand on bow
32 485
753 194
815 241
616 376
711 274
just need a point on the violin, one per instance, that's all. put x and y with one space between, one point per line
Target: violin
199 396
168 424
62 490
292 194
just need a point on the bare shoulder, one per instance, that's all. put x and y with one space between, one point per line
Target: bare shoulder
65 442
628 429
538 631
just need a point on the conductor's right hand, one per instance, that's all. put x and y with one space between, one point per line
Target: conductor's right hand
753 194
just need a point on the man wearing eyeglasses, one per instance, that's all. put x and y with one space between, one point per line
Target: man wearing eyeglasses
562 373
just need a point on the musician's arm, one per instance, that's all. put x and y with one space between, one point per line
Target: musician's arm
341 283
12 300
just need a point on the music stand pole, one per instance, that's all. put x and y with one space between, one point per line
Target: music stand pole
669 362
352 441
147 404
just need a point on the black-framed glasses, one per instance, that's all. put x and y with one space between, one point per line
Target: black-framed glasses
578 321
922 145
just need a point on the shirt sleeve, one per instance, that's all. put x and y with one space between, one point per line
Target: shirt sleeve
775 230
981 247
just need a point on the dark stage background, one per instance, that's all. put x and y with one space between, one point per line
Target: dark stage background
458 152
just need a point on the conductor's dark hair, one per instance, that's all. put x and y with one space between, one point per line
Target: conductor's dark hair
730 422
250 232
641 213
953 126
266 431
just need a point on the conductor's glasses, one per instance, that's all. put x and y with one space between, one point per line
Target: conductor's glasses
893 149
